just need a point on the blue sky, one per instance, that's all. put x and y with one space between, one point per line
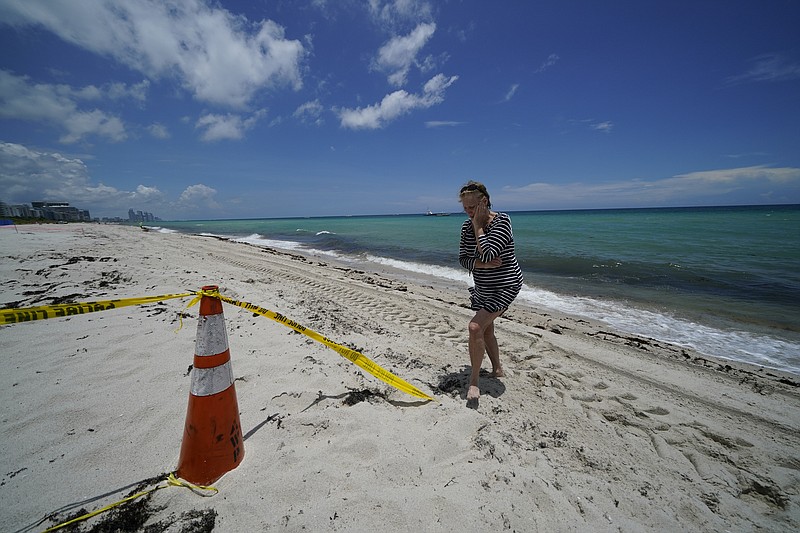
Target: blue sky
245 109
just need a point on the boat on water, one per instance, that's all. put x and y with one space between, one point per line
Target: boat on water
430 213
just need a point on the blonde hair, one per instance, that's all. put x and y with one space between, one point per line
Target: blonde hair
475 187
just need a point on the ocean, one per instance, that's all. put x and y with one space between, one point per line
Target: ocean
724 281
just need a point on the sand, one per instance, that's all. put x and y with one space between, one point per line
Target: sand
593 430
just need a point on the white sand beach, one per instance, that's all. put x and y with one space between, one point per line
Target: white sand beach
593 430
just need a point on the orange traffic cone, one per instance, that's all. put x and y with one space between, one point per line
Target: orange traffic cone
212 439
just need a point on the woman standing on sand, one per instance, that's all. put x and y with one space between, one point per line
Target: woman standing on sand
487 251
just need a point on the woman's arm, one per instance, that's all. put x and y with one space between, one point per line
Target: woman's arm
494 263
491 244
466 253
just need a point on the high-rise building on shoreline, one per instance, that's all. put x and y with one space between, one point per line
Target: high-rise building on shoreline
139 216
63 212
55 211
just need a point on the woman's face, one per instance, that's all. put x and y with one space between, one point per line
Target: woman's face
471 201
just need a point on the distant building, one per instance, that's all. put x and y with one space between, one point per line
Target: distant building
18 210
56 211
141 216
59 211
62 211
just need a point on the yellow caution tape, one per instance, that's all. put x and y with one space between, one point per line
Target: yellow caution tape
353 356
28 314
171 480
14 316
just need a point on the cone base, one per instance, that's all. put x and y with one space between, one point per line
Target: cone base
212 438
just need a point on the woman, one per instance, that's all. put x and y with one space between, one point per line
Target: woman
487 251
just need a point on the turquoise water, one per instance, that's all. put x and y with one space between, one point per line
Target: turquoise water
722 280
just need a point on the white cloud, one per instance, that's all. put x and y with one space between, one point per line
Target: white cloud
395 13
147 194
310 113
159 131
218 56
511 92
768 68
27 175
733 176
198 196
138 92
715 187
396 104
605 126
399 53
59 104
218 127
93 122
441 123
551 60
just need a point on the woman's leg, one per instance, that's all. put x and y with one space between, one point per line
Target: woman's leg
482 320
493 350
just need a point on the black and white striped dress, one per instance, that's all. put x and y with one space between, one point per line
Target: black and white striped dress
495 288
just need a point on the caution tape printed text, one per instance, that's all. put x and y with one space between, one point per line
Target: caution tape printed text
14 316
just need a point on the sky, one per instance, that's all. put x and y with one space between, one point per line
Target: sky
290 108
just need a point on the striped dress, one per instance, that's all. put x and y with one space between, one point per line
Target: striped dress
495 288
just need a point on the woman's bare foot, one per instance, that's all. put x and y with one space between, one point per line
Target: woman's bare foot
473 393
499 373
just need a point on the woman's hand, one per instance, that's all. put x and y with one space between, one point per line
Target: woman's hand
481 216
494 263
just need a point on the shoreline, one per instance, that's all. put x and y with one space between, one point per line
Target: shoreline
713 336
594 429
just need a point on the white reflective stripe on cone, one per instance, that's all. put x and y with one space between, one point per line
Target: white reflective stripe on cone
208 381
211 335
